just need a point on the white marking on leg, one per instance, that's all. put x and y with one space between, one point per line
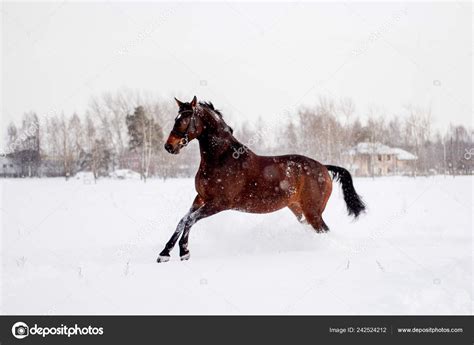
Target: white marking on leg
185 257
163 258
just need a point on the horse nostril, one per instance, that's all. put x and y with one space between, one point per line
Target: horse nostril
168 147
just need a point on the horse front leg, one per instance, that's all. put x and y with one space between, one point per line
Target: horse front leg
184 227
183 223
165 253
208 209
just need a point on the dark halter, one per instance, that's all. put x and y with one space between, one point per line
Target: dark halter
191 127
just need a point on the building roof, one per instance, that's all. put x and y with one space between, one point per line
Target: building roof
380 149
369 148
5 159
403 155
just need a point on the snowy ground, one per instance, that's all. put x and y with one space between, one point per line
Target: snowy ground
80 248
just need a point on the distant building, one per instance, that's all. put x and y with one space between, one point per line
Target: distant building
8 167
24 163
376 159
52 167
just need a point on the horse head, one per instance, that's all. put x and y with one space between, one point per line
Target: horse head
188 125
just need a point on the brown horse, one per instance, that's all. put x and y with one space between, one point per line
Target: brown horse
232 177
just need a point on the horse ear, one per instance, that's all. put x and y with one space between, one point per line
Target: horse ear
178 102
194 102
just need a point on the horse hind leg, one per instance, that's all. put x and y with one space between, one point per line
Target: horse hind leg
308 218
314 198
316 221
313 212
325 227
298 212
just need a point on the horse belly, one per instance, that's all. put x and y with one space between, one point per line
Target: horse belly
257 201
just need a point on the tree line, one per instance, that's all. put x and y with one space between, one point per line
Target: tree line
326 130
127 130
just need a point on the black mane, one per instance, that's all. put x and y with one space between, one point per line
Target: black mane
210 106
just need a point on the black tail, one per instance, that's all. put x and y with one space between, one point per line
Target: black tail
354 203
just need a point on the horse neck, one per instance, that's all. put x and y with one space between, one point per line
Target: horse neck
213 143
217 140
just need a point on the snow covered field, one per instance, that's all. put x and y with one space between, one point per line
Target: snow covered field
80 248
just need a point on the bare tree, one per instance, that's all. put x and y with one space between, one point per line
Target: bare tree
75 142
347 108
65 150
145 138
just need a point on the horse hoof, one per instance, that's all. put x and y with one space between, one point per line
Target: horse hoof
185 256
163 258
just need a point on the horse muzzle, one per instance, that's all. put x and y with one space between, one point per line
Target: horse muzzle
171 149
175 143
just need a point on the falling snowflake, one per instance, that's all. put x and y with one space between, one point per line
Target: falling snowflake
284 184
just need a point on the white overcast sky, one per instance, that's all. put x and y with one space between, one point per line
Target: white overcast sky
249 59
